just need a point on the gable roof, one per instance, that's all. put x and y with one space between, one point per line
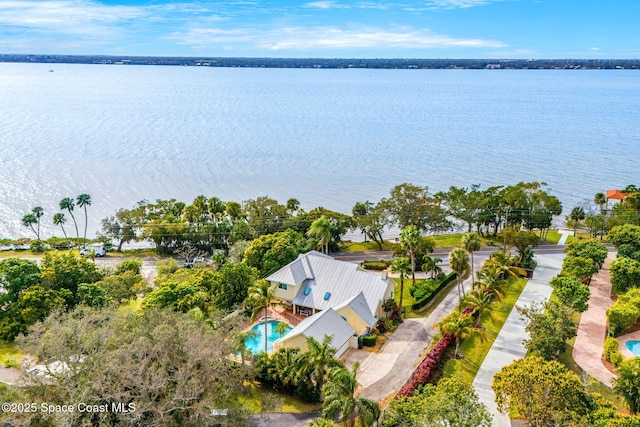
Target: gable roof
358 304
331 282
326 322
295 272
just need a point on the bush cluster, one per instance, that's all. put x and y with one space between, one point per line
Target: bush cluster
423 372
376 265
624 313
369 340
611 352
444 281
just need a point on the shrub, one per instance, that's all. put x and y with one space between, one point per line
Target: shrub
625 273
622 316
376 265
611 352
444 281
369 340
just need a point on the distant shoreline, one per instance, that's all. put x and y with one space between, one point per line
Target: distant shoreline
335 63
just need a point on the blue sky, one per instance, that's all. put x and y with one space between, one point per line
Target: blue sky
325 28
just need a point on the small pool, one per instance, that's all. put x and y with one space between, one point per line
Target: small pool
633 347
255 344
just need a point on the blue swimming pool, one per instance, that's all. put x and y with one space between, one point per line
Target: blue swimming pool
255 344
633 346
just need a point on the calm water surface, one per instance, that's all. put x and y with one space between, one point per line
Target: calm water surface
326 137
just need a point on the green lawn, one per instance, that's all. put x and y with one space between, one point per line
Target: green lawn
10 355
475 349
367 246
407 299
253 403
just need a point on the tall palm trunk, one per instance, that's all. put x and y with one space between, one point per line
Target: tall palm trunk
76 225
85 222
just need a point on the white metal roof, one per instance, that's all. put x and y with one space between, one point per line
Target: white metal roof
326 322
331 282
359 305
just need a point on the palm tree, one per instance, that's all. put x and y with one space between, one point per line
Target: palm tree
321 230
318 358
502 262
430 264
410 239
83 201
68 204
38 212
472 243
577 214
460 326
340 400
401 266
459 264
28 220
479 301
260 297
59 219
490 281
601 200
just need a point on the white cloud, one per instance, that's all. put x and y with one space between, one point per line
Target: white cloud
320 5
297 38
457 4
594 48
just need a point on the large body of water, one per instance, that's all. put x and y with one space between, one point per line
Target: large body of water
326 137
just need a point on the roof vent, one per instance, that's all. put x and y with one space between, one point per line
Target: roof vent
307 291
327 296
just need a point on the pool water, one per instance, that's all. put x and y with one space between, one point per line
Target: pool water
255 344
633 346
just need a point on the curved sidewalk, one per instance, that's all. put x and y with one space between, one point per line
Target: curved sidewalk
509 344
592 331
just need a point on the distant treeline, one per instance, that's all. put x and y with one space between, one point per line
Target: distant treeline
392 63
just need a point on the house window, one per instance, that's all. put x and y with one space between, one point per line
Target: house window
282 286
327 296
391 297
307 291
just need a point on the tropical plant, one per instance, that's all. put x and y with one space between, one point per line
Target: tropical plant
459 264
68 204
340 401
479 301
601 200
430 265
489 280
460 326
59 219
28 220
321 230
628 383
502 262
402 267
410 239
318 358
575 217
84 200
471 243
260 298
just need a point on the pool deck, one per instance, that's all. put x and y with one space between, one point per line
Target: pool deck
633 336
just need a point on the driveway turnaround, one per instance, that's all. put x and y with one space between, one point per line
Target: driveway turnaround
382 374
509 344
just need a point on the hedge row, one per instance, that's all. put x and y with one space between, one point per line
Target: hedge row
424 301
429 364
